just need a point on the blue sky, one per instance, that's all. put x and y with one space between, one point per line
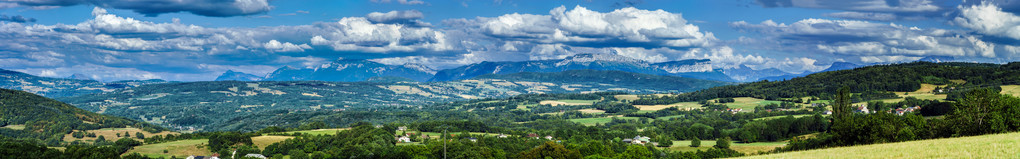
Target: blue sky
196 40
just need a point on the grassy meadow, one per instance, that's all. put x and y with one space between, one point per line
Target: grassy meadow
985 146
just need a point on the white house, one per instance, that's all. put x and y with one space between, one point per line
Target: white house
403 139
251 155
548 137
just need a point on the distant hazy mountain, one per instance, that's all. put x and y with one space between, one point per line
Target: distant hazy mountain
836 66
79 76
347 70
230 75
62 87
746 74
700 69
937 59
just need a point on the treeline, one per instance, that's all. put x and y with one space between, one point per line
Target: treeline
981 111
880 78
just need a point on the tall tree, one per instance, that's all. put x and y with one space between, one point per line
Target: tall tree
842 106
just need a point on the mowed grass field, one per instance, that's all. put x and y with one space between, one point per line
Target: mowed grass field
681 106
266 140
181 149
925 92
747 148
320 131
15 127
1011 90
985 146
602 120
111 134
567 102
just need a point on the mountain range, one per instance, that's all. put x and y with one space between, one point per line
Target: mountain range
353 70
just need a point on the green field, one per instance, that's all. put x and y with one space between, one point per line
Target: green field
181 149
747 148
15 127
1011 90
669 117
985 146
602 120
748 104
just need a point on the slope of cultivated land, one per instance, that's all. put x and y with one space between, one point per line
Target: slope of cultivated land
985 146
180 149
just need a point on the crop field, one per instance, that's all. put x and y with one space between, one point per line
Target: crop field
181 149
985 146
681 106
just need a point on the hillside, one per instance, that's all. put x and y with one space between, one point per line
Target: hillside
906 77
199 104
61 87
985 146
26 115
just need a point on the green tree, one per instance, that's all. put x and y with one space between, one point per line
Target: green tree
723 143
550 150
139 135
842 104
696 142
636 152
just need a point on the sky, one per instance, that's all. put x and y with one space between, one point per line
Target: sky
197 40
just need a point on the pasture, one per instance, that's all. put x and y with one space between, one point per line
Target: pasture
181 149
985 146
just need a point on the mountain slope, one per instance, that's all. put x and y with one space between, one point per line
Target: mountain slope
46 119
700 69
200 104
230 75
351 70
60 87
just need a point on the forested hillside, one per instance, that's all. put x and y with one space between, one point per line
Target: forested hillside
896 77
26 115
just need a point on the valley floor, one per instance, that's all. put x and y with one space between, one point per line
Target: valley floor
985 146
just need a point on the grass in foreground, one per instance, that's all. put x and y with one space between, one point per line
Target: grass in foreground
985 146
181 149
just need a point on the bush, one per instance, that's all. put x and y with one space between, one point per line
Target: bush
723 143
696 142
